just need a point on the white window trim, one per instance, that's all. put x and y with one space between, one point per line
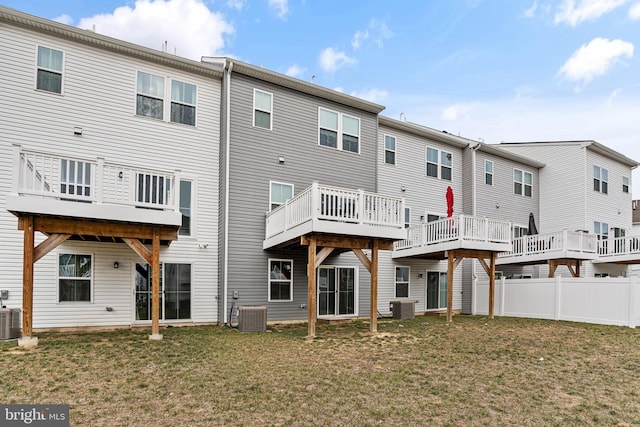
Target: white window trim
166 100
524 172
486 173
394 151
194 207
279 280
628 184
395 288
340 131
36 68
439 164
601 180
406 224
270 195
264 111
91 279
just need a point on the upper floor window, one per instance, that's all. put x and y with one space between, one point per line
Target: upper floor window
337 130
402 282
625 184
75 277
439 163
389 150
185 207
150 99
183 103
600 179
262 109
488 172
522 183
279 193
49 76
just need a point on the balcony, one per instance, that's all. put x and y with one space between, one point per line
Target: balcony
338 211
95 189
624 250
433 239
540 248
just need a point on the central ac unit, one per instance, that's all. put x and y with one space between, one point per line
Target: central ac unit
9 323
252 319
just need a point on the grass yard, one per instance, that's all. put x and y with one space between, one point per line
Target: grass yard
474 371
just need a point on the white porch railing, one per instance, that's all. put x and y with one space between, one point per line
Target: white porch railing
628 245
561 241
461 227
326 203
46 175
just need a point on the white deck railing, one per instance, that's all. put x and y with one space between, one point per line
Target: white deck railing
546 243
461 227
46 175
326 203
628 245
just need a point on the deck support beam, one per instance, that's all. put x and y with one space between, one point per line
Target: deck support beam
572 264
454 258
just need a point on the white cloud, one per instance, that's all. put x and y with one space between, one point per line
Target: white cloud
331 59
634 11
595 59
455 112
373 95
381 32
64 19
358 38
236 4
573 12
190 29
281 7
531 11
295 71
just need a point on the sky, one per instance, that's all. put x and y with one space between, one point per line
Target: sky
489 70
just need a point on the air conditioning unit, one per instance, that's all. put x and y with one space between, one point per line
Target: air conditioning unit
252 319
403 309
9 323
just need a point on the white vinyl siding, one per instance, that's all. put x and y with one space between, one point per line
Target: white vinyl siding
262 109
49 70
337 130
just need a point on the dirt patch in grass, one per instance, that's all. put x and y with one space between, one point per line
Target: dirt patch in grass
473 371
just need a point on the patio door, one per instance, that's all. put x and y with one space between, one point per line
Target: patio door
437 286
175 291
336 291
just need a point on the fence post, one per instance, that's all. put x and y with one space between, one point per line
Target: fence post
556 299
503 284
474 289
633 283
100 179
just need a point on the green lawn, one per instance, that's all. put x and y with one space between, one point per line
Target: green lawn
474 371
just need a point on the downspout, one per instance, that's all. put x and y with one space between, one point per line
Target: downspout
474 275
227 142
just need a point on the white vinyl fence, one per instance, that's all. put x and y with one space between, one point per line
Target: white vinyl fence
605 301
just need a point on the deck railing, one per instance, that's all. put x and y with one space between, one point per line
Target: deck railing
572 241
46 175
628 245
461 227
327 203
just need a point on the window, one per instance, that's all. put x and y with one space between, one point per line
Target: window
280 280
437 286
625 184
407 217
339 131
150 99
439 164
75 277
183 103
175 291
150 96
262 109
389 150
402 282
279 193
185 207
522 183
519 231
601 229
49 77
431 217
488 172
600 179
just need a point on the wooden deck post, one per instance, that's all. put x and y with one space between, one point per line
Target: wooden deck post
450 269
373 324
311 281
155 286
27 277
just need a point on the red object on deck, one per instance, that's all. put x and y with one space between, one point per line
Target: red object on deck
449 201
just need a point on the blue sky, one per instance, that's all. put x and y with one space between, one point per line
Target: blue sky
495 70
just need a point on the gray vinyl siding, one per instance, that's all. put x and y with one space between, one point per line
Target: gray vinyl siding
468 181
99 95
254 163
